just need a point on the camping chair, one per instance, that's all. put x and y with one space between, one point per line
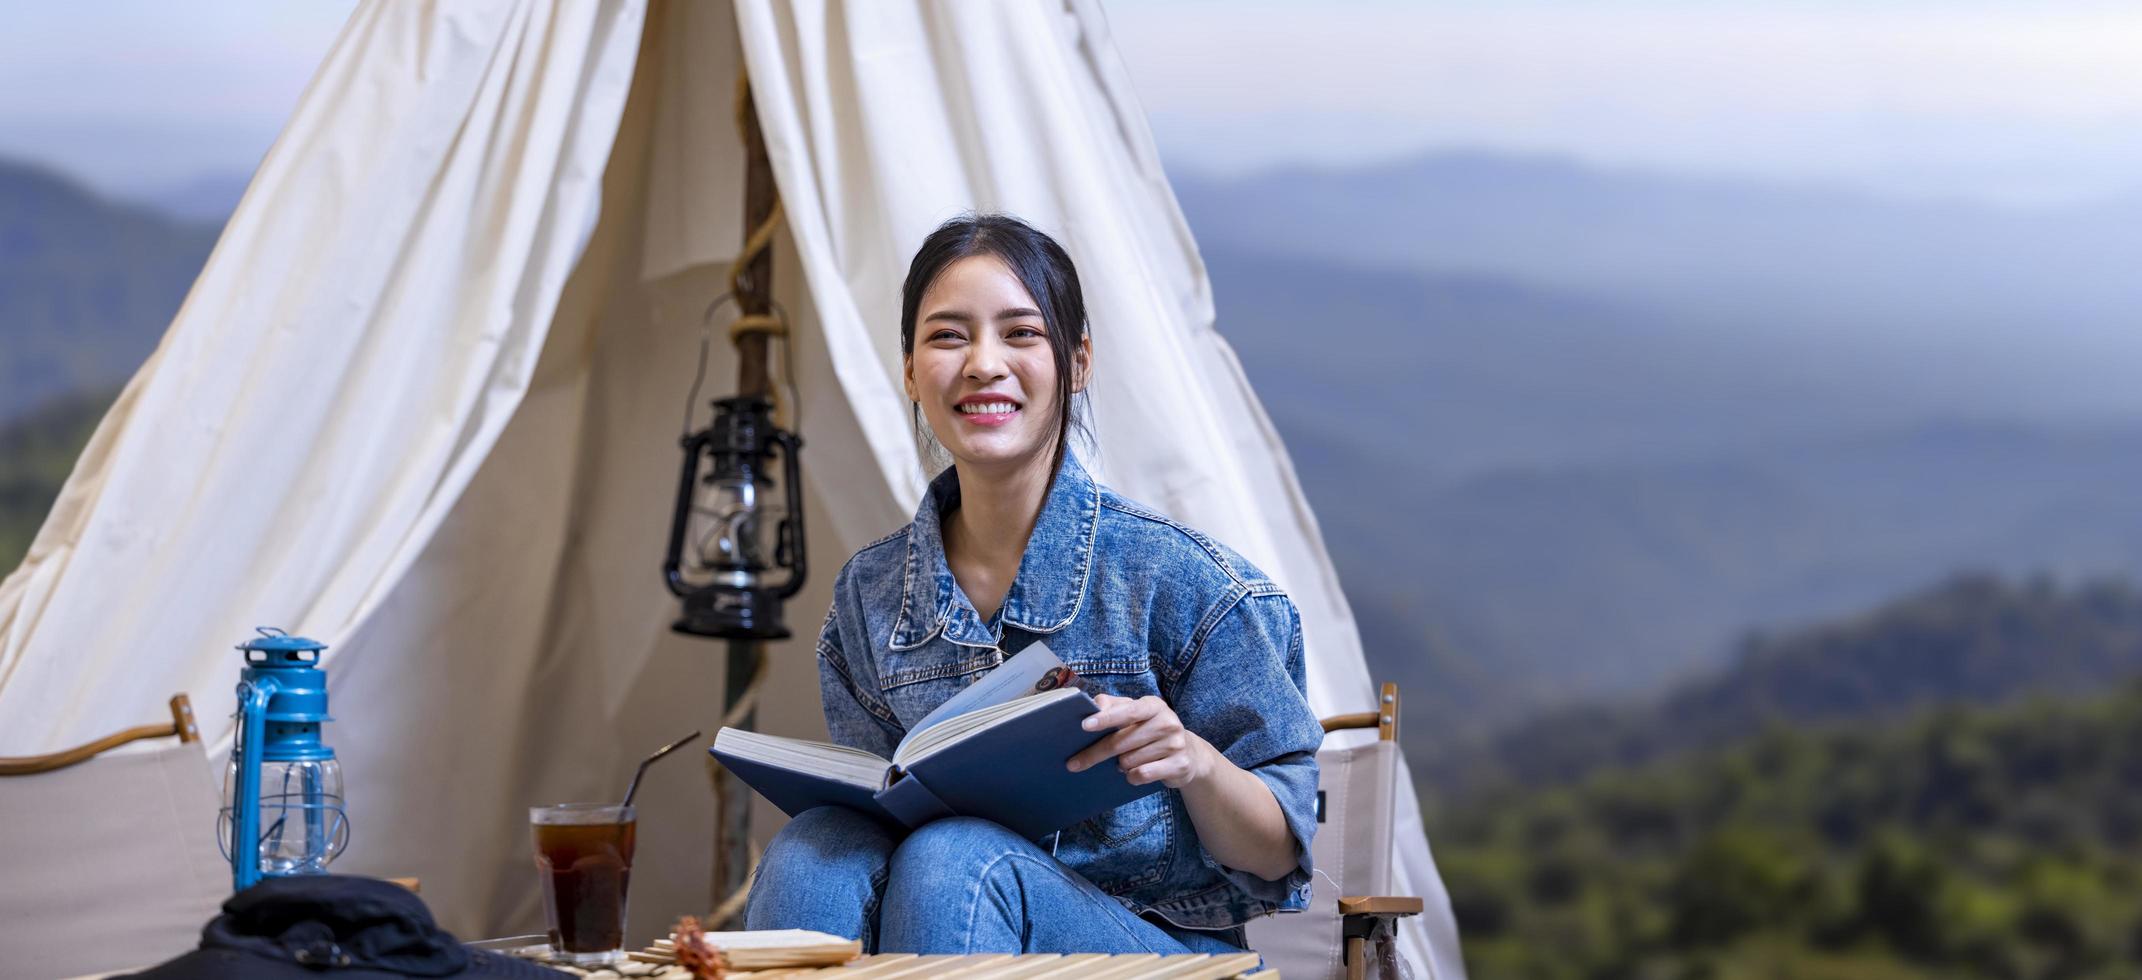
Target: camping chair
1351 915
109 860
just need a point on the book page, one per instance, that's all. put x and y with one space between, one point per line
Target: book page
837 762
953 730
1024 674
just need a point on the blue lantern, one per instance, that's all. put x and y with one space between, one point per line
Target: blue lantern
282 793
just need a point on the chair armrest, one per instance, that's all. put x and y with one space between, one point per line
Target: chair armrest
182 725
1380 905
1362 919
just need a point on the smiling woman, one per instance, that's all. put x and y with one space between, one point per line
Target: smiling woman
1198 653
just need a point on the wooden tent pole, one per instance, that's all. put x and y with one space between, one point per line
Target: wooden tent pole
753 279
751 282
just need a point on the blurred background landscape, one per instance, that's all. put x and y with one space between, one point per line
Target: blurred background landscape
1725 419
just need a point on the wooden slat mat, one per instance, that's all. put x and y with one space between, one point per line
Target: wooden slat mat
1032 966
977 966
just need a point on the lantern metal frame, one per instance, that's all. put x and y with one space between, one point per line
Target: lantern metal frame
740 441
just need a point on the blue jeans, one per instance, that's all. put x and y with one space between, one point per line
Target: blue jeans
957 885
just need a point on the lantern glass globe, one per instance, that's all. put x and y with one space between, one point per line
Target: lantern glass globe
302 822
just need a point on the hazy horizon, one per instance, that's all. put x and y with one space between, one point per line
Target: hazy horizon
1969 101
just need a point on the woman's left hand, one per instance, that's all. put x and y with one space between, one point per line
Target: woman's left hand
1149 743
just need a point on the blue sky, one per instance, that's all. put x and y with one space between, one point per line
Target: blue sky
2025 102
2029 103
134 94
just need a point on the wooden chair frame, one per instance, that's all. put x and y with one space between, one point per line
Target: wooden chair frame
1365 917
182 725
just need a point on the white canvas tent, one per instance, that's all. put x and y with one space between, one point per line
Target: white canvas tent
423 401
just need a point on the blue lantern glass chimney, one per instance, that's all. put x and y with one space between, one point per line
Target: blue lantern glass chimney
282 793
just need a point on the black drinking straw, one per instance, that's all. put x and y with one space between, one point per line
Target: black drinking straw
642 770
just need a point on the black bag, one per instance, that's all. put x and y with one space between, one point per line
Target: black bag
333 927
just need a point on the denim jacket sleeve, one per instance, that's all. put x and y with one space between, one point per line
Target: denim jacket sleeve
1245 690
853 717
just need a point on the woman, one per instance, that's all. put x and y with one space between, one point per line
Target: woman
1199 653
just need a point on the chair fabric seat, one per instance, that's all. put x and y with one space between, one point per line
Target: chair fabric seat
111 864
1352 845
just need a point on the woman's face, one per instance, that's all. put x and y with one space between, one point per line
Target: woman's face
982 369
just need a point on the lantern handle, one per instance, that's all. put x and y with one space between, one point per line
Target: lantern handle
693 443
706 343
253 695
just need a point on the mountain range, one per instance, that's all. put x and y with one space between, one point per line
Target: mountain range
1571 432
1537 496
1709 248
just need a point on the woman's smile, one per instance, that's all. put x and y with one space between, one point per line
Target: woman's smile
987 410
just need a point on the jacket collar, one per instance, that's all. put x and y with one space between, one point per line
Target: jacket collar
1045 594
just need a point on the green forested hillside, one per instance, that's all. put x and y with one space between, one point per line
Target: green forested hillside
1972 640
37 451
1983 842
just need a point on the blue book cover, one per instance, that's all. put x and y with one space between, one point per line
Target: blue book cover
1001 761
912 803
1013 772
795 791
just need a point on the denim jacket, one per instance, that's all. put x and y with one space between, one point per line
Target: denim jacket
1139 605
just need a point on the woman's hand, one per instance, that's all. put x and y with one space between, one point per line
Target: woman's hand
1235 814
1149 743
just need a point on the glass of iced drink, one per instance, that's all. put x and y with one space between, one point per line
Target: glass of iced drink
583 854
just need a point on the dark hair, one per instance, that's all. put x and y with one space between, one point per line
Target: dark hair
1042 266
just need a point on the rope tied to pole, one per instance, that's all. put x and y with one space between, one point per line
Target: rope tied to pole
760 239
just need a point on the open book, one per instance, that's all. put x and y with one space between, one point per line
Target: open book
995 750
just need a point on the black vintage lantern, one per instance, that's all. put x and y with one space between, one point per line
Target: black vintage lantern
731 527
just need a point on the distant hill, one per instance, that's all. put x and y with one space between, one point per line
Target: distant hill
37 451
86 285
1459 374
1563 585
1537 496
1975 640
2015 311
207 198
1979 842
1615 578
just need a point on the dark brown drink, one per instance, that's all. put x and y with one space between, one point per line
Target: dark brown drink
584 858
